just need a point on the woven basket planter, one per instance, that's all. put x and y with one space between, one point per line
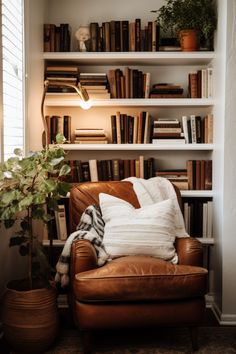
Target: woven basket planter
30 317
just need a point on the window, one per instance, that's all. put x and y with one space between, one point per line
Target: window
12 77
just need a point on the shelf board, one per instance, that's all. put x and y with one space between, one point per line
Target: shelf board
133 58
56 243
193 193
62 101
136 147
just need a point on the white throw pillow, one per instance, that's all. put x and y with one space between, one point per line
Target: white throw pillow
148 230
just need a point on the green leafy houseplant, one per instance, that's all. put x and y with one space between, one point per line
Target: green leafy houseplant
200 15
30 188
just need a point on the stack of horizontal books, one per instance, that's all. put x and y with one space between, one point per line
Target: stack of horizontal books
165 90
96 84
177 176
61 73
167 130
90 136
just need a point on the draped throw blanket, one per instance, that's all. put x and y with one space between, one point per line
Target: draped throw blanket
91 227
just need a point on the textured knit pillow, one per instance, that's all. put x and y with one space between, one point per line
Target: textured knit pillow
145 231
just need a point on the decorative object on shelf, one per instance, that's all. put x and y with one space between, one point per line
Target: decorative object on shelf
85 102
83 37
193 21
30 188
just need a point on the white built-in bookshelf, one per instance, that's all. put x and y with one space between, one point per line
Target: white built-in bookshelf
164 67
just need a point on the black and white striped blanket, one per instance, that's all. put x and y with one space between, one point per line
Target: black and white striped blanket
91 227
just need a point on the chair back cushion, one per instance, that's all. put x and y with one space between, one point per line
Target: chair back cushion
85 194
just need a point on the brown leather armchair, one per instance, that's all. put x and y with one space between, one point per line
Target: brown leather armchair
133 291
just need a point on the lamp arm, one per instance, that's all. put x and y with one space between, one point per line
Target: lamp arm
78 88
45 126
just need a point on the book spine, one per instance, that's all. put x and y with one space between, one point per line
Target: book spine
46 38
117 36
94 36
118 128
125 36
132 36
193 128
60 216
113 130
193 89
112 35
185 128
209 82
138 35
93 170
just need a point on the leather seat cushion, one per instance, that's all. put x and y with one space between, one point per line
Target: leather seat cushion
140 278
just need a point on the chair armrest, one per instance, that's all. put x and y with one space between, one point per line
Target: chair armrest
83 257
189 250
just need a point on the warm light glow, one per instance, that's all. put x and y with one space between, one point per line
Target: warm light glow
85 104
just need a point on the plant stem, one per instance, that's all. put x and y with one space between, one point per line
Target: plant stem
30 264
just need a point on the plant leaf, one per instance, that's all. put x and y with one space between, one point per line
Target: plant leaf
65 170
18 152
60 139
56 161
24 250
9 223
17 240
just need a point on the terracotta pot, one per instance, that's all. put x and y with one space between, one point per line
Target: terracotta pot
188 40
30 317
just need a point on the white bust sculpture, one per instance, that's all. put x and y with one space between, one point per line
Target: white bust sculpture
83 37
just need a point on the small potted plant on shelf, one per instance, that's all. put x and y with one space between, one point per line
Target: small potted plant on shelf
192 21
30 188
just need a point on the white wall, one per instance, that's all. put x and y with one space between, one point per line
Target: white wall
229 241
35 72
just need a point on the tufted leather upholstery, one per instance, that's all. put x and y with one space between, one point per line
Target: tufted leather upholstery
133 291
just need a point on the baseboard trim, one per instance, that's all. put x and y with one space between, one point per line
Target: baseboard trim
223 319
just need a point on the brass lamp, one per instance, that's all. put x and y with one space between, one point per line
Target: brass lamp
85 102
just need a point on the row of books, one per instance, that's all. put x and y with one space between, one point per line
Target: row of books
110 170
166 90
56 125
178 177
200 83
198 129
196 176
199 174
198 217
194 130
132 83
197 213
128 129
56 38
138 129
124 36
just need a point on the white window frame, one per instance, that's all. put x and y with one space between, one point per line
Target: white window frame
23 87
